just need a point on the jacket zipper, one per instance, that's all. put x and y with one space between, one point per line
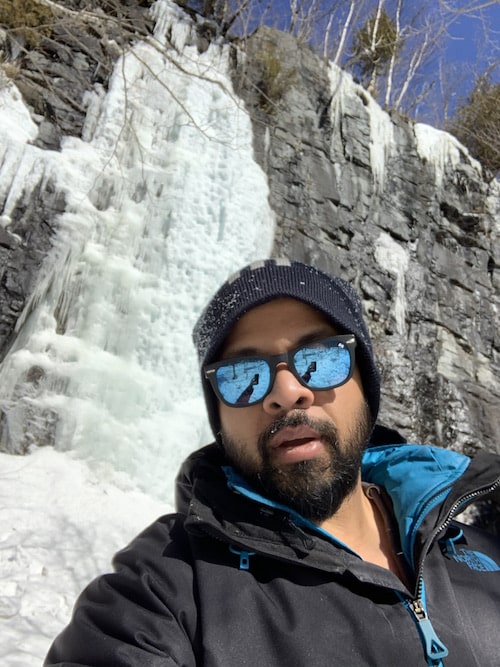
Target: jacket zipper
453 511
435 650
307 541
462 502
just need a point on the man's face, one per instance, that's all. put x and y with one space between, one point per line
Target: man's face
298 446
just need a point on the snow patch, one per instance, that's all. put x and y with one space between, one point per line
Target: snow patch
441 149
16 124
395 259
60 522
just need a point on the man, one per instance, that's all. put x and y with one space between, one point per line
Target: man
282 552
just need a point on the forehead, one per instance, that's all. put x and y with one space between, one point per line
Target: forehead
280 321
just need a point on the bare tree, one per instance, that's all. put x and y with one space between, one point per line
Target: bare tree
344 32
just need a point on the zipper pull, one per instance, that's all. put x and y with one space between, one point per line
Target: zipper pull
434 647
244 557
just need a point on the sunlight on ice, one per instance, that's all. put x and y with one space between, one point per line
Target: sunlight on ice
381 127
395 259
171 20
15 120
441 150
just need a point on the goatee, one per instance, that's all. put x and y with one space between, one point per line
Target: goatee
314 488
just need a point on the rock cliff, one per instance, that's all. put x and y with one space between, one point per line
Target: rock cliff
403 212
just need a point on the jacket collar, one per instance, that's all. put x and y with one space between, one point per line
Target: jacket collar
423 482
417 478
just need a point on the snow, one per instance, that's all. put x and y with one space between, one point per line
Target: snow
164 200
60 522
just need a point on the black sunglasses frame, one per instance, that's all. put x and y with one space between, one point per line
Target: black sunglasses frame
273 360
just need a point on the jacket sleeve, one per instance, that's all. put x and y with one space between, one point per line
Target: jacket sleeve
143 614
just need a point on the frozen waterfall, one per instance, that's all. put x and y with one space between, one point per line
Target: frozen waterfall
163 201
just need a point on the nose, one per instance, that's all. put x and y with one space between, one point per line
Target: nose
287 393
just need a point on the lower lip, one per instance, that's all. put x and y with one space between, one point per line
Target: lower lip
294 453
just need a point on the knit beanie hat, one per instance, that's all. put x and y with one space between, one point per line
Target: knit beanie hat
270 279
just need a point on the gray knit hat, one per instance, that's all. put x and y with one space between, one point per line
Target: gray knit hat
270 279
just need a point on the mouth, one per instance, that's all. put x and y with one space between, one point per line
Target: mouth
292 435
296 443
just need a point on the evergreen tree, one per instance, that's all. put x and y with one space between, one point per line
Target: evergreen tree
374 45
476 123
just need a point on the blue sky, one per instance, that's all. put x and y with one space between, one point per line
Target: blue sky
467 38
473 46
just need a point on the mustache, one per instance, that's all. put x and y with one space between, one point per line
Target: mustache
324 429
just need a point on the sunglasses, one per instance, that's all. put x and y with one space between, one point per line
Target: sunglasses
323 364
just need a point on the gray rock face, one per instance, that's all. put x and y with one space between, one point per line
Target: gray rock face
401 211
23 246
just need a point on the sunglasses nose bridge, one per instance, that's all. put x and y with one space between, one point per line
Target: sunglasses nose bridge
277 360
283 361
286 389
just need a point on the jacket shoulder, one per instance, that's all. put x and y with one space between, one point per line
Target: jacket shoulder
203 463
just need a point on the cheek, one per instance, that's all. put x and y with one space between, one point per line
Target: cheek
241 435
354 389
341 404
349 400
238 423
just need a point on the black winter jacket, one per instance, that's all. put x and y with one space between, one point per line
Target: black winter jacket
233 580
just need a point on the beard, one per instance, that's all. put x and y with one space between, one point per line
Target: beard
314 488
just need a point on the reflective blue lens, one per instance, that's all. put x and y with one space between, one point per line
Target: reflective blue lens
243 381
320 367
